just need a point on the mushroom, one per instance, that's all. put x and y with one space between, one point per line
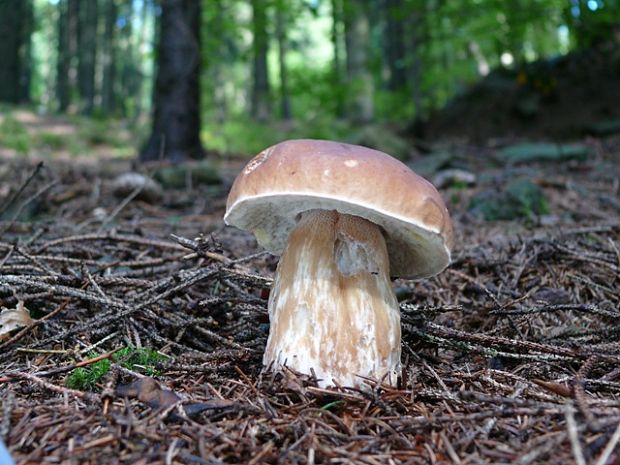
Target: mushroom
343 219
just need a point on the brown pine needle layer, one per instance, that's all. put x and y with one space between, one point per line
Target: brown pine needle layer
512 355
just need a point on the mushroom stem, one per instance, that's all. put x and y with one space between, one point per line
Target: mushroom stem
332 309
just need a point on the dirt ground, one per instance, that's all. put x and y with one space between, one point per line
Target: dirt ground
511 355
555 99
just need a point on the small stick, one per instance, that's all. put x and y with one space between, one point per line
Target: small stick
450 450
21 189
573 435
88 396
24 203
33 325
120 207
64 369
609 448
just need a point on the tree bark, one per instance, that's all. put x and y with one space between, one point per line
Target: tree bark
414 23
126 63
64 58
261 103
25 51
13 48
394 44
281 22
337 45
73 28
109 58
139 71
176 122
219 53
360 85
87 52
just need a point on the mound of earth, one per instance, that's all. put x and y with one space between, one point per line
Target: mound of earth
559 98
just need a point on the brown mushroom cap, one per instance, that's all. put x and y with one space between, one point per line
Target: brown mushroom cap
299 175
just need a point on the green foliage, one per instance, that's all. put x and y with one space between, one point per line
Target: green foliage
242 135
52 141
76 135
448 45
313 91
335 405
143 359
100 131
394 106
87 378
14 135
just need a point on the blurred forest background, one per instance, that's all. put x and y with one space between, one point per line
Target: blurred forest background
244 74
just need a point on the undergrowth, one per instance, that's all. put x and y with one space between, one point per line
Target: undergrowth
138 359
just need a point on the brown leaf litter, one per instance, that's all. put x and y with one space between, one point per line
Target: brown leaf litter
510 356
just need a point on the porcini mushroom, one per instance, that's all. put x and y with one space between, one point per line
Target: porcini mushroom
344 218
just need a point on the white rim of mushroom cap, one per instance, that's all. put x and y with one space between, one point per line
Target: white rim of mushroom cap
291 177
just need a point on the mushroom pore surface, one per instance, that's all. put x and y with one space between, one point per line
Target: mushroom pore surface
332 308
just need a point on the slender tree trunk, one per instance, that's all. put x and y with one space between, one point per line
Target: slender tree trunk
109 57
261 104
216 24
73 28
394 44
281 22
87 49
12 18
25 51
139 72
64 58
176 122
126 62
337 44
357 40
414 26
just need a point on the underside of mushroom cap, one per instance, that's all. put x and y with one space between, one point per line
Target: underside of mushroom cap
295 176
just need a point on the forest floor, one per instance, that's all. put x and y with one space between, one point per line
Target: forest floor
557 98
140 347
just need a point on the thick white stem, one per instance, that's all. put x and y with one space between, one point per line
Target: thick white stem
332 308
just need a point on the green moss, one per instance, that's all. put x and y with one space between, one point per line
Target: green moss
86 378
144 359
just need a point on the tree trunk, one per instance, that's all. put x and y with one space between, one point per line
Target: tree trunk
87 51
337 44
414 26
25 51
281 22
126 62
176 122
139 71
360 85
261 103
73 28
394 44
219 54
64 58
109 57
12 19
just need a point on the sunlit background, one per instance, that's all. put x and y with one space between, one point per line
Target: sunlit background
440 47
